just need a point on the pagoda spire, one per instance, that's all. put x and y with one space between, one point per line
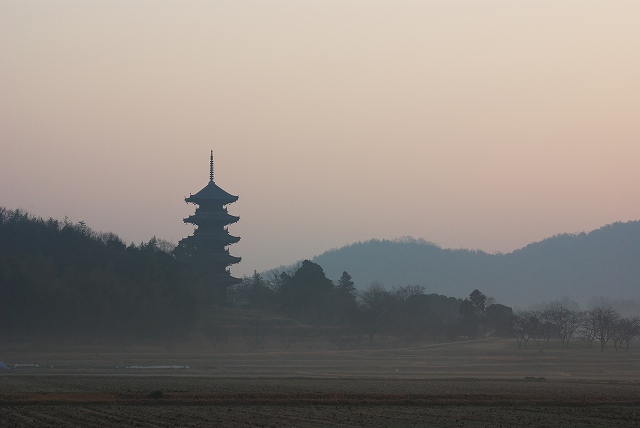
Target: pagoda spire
211 167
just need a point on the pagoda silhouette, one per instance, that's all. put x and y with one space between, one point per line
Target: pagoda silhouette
207 249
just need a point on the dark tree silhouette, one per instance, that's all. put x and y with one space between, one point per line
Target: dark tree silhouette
307 294
499 319
473 311
346 288
345 301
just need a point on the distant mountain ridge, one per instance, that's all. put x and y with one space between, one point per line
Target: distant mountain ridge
604 262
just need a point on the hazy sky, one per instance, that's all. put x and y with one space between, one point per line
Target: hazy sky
474 124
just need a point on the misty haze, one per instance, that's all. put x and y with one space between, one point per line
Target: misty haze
305 214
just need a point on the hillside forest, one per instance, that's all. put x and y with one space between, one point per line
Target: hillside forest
581 266
60 279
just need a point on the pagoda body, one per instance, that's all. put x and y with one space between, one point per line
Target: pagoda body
207 247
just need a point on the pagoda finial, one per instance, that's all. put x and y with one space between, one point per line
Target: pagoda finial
211 167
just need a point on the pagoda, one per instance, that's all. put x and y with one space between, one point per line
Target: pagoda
207 248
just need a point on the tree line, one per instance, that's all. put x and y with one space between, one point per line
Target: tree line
408 313
411 315
61 279
600 325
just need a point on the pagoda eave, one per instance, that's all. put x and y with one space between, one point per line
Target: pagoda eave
211 218
217 238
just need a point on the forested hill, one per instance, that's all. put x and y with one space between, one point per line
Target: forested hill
59 278
605 262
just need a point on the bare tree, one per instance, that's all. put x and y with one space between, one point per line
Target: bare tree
376 303
624 330
599 323
616 333
586 329
525 327
215 332
546 329
565 320
255 335
404 293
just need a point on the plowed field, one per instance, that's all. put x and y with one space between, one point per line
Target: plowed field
470 385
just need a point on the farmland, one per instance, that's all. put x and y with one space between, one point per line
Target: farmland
469 383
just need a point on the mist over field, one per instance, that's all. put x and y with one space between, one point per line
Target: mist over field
134 333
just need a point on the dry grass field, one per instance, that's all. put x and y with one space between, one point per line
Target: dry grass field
312 384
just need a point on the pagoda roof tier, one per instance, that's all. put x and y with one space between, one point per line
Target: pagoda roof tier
212 193
225 258
222 217
215 237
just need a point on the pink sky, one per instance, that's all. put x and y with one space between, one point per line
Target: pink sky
473 124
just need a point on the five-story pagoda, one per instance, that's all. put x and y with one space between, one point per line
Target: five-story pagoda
207 249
